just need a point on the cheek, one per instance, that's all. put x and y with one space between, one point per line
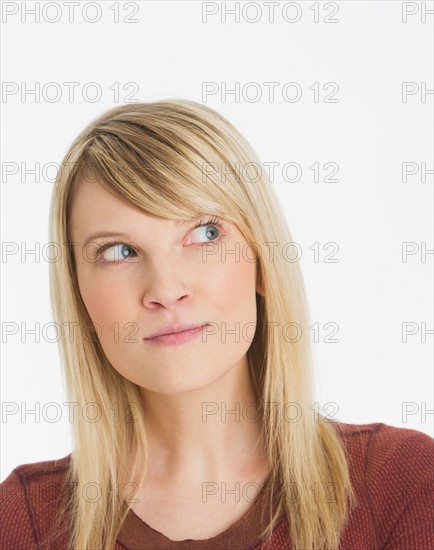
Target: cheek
240 281
234 289
105 302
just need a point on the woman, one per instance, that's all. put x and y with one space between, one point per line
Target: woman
192 364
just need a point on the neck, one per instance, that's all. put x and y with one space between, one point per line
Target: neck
209 433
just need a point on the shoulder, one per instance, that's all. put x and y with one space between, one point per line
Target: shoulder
31 479
392 469
388 448
28 498
46 467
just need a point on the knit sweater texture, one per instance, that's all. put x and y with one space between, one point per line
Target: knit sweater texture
391 469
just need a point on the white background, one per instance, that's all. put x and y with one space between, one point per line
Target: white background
170 53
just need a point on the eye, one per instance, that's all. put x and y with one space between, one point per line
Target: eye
115 252
213 233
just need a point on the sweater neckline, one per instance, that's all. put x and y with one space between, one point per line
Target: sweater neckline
243 533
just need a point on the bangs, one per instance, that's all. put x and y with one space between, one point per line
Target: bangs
165 174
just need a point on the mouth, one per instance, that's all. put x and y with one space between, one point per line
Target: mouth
176 336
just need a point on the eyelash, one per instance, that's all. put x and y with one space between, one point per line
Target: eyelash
202 223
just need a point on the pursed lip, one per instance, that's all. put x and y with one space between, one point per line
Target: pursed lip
174 329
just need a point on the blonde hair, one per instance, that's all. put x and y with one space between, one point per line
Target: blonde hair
178 159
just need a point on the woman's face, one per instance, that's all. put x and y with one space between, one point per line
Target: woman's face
164 273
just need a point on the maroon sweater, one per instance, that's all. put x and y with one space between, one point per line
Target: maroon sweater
391 468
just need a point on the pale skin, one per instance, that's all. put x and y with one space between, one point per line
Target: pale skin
162 276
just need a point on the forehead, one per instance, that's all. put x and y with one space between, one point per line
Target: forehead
89 193
92 202
97 209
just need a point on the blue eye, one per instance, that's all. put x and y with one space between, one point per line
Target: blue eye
213 223
118 254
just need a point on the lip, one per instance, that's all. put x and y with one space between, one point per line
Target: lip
176 334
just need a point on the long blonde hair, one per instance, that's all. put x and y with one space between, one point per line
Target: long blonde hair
178 159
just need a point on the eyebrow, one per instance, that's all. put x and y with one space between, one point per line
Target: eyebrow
115 234
101 234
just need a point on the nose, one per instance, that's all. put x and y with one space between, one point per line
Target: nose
165 288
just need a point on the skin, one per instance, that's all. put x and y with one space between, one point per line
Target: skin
168 279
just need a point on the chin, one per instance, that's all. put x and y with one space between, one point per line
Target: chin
181 382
